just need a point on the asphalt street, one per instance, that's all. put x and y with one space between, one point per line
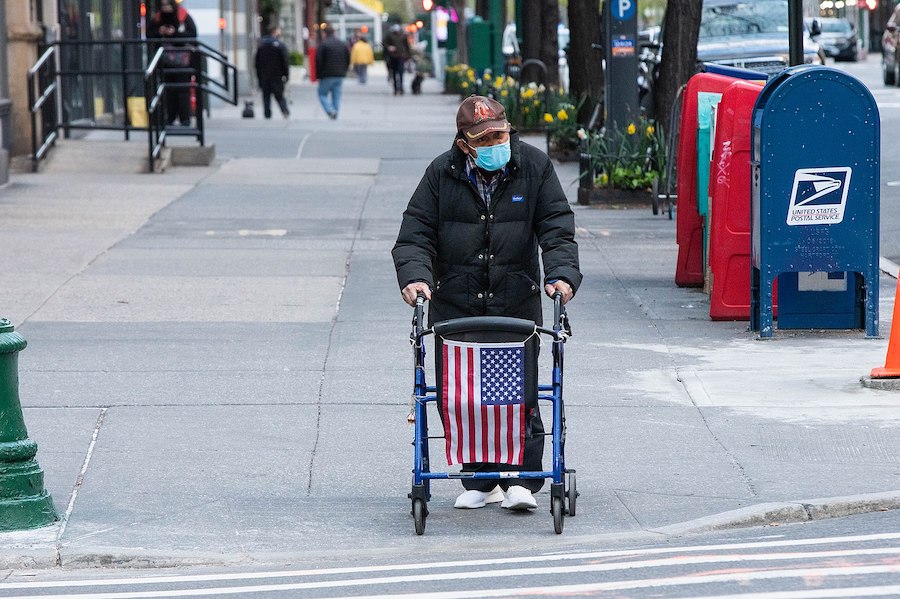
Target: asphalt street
218 368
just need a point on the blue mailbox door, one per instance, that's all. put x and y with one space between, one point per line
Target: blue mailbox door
815 202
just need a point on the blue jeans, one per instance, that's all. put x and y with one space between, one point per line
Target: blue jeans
330 86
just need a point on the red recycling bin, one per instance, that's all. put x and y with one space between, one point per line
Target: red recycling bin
730 187
689 225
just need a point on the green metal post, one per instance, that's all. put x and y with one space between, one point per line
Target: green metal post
495 12
23 501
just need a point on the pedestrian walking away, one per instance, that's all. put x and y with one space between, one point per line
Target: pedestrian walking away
469 241
361 56
332 62
396 47
273 71
171 23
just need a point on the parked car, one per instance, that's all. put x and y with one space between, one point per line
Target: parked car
751 35
509 46
890 66
838 39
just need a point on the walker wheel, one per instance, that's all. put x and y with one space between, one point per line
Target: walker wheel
556 508
419 514
571 492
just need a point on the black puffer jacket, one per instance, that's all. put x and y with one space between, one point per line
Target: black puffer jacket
485 262
332 58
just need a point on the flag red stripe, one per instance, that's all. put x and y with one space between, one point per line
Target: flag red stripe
522 413
457 402
445 386
510 426
497 428
470 400
485 449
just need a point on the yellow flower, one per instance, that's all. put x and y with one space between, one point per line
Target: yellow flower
527 93
631 129
525 110
464 85
650 130
548 118
504 93
604 179
498 81
562 115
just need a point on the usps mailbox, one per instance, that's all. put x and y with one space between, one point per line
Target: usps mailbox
815 202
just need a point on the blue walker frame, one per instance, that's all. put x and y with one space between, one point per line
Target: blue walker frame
563 493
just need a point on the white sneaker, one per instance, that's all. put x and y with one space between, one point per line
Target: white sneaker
518 498
470 500
496 496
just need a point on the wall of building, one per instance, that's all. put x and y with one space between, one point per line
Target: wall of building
23 33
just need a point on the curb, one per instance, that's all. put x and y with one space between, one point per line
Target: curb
23 551
788 512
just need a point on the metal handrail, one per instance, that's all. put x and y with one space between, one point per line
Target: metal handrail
40 105
48 83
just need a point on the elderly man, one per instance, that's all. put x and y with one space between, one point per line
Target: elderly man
469 242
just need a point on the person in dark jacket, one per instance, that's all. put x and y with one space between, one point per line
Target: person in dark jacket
169 24
272 71
397 50
332 62
469 242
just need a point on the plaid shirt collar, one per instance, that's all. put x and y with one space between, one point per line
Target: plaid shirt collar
485 188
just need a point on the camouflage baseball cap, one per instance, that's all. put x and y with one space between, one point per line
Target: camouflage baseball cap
478 115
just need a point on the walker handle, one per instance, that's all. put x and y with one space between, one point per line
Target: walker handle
560 318
420 313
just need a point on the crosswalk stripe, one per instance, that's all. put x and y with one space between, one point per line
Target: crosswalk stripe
9 584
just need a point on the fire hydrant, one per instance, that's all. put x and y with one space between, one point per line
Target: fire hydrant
23 501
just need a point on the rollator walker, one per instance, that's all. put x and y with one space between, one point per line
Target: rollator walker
563 493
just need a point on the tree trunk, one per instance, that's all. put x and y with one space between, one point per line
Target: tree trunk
462 45
585 61
549 53
531 29
679 57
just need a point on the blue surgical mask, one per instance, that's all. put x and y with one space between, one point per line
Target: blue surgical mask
492 158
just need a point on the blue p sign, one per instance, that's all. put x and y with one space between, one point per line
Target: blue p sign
622 10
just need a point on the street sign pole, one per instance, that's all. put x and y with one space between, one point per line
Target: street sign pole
795 31
621 49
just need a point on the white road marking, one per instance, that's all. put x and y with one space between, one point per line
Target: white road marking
262 232
10 584
880 591
550 590
302 144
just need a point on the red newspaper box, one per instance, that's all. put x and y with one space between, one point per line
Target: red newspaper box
729 190
311 63
689 226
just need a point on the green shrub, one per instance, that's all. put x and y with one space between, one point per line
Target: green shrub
296 59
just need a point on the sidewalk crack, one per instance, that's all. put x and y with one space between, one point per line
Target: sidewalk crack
328 346
695 388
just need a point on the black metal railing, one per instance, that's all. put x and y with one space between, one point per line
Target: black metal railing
88 85
42 98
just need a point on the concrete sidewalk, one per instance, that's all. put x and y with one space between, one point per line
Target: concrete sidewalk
218 367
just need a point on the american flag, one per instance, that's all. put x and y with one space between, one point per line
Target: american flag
484 402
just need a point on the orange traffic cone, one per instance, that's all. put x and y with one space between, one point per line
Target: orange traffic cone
892 362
